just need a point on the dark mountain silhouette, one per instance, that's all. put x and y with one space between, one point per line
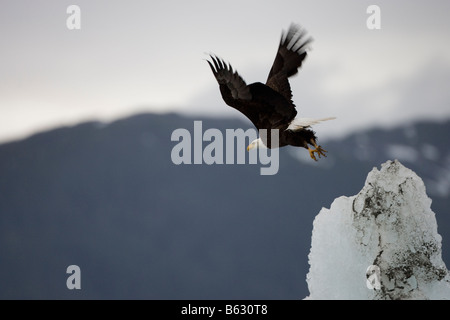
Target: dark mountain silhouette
109 199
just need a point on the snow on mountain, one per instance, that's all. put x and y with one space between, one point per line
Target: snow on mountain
422 146
379 244
402 152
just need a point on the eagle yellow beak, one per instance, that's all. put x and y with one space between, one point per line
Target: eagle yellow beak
248 148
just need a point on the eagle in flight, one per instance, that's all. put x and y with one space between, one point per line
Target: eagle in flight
270 106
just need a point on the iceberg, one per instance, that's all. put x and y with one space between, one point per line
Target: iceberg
381 244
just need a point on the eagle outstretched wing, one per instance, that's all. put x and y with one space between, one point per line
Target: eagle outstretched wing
290 55
229 80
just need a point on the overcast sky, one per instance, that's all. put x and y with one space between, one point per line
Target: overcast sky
149 56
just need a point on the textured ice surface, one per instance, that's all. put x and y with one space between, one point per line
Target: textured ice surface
380 244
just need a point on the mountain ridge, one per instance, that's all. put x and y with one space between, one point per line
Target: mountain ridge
108 198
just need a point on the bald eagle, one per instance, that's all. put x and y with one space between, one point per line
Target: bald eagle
270 106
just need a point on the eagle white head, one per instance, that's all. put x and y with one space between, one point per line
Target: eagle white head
256 144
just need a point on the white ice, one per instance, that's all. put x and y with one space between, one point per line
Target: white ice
379 244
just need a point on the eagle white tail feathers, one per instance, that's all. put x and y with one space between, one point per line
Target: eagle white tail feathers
301 123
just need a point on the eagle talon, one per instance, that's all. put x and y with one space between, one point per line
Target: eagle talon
320 152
